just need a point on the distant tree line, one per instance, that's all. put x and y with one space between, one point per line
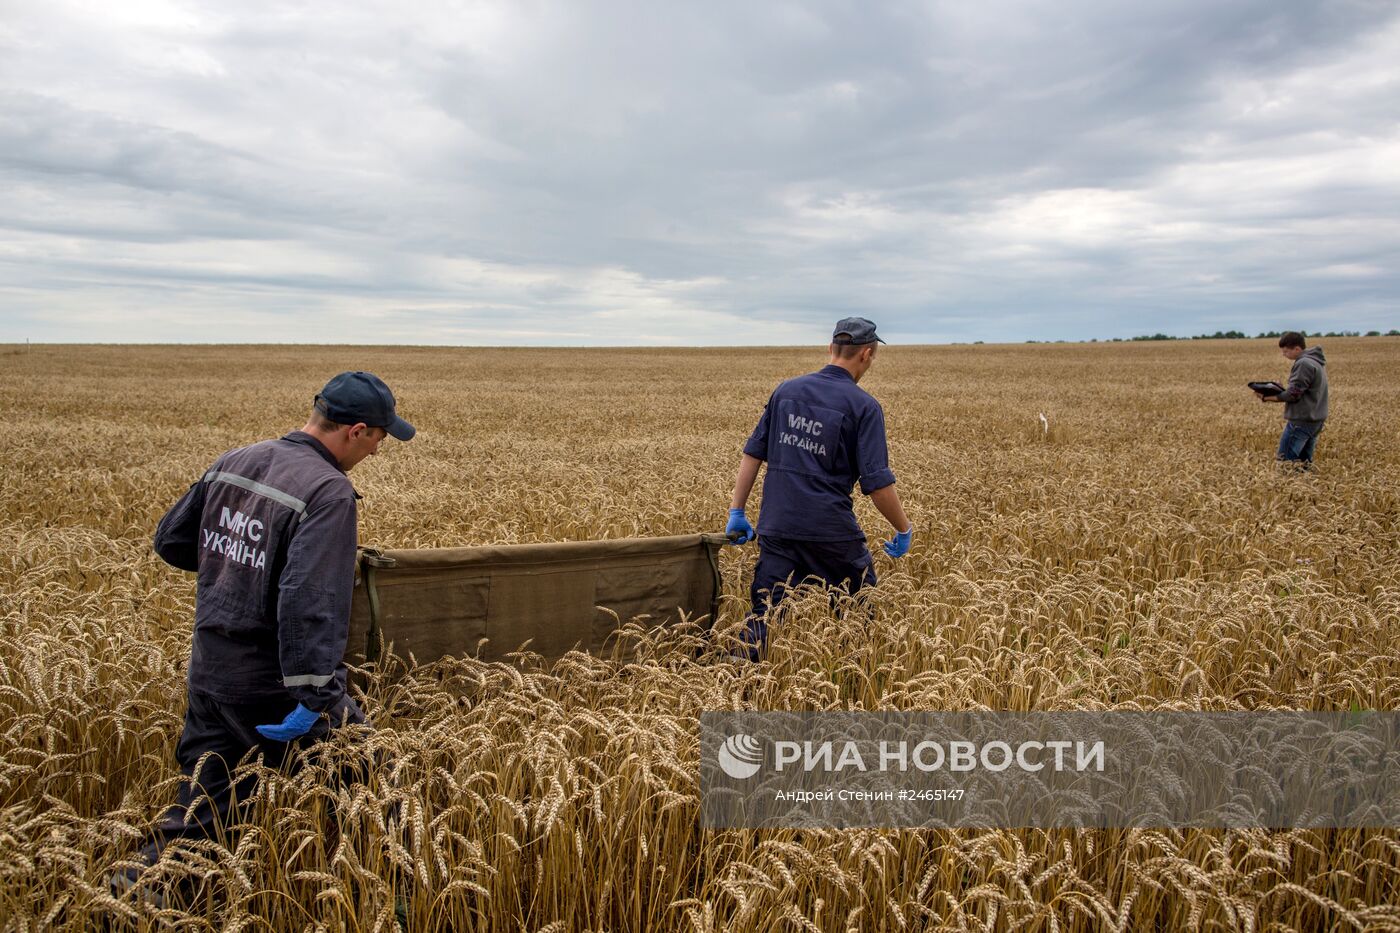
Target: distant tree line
1235 335
1240 335
1226 335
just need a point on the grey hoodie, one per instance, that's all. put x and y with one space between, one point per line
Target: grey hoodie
1306 396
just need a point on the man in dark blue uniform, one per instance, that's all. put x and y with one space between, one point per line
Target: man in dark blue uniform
819 434
270 531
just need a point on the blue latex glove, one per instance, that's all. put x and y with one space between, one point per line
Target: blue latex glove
739 524
298 722
898 546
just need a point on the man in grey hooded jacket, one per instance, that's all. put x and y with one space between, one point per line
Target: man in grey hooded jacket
1304 400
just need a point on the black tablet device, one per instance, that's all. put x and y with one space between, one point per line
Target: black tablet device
1268 388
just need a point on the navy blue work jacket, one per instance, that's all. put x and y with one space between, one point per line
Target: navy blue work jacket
820 434
270 531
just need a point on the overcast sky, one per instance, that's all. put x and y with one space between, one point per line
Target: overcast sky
695 173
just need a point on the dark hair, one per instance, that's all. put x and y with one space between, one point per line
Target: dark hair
848 351
321 422
1293 339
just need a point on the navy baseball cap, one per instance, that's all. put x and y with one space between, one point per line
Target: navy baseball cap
359 397
854 331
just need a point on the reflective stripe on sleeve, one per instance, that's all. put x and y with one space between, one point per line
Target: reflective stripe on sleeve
262 489
307 680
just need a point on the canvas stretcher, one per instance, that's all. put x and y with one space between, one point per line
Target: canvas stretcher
489 601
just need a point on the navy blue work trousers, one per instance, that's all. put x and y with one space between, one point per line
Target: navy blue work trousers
226 732
787 562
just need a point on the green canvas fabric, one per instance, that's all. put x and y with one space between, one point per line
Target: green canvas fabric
488 601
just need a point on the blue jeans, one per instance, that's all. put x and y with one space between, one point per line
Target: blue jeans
1299 440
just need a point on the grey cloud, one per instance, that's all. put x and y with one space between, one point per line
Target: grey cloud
1071 170
44 135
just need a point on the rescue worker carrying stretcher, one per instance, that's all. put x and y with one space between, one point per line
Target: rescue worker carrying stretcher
819 434
270 531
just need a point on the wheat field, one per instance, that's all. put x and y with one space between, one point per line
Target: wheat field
1138 550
